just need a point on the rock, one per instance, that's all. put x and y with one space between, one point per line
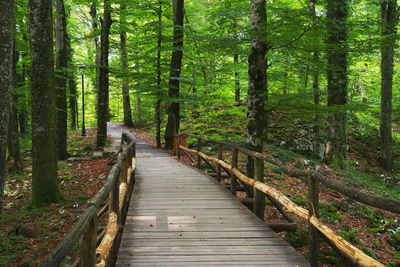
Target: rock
97 154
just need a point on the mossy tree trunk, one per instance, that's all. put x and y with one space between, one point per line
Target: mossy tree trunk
257 81
124 66
102 106
61 41
389 19
6 81
44 157
176 63
72 100
336 145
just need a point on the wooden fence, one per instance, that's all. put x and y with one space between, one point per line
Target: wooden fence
99 249
280 201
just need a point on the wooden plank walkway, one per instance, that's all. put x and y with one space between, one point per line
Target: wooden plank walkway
179 216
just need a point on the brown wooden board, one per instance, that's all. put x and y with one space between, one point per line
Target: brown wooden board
180 216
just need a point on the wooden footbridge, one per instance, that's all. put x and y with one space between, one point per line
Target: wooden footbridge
162 212
179 216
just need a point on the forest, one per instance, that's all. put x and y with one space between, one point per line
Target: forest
312 83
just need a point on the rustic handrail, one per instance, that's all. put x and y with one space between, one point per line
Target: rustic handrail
388 204
119 179
347 250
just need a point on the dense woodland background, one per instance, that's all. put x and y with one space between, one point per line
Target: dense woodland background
319 78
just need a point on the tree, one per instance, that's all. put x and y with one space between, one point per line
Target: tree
316 138
257 82
61 41
158 103
73 111
44 157
389 20
336 144
13 135
93 14
102 105
176 63
124 66
6 81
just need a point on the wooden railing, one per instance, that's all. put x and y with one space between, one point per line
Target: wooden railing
283 203
118 190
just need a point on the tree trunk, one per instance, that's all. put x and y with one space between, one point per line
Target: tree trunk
22 110
93 14
257 81
124 66
336 144
316 138
102 106
6 81
44 157
388 32
138 111
176 63
159 93
61 77
72 86
237 79
13 137
72 101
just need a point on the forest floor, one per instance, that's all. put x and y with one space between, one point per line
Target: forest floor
374 231
28 235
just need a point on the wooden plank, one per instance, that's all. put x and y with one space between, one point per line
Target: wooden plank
247 242
189 219
288 258
209 264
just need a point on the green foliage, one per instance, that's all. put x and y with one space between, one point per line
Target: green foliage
298 200
374 183
329 213
349 234
394 241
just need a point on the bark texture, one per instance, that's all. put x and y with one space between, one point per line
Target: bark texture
176 63
6 79
44 157
315 85
237 79
61 40
93 14
124 66
72 101
13 136
159 93
257 81
102 106
336 145
388 31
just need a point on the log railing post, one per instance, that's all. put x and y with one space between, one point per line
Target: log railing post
258 198
234 165
184 140
199 150
88 245
178 149
313 210
113 199
176 144
218 165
